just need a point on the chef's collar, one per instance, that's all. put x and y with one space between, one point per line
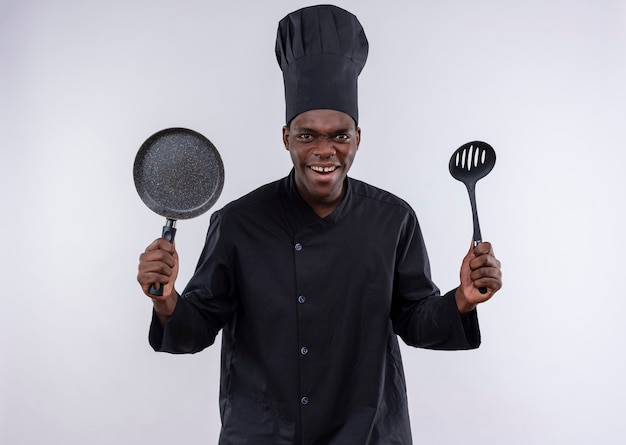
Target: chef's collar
303 212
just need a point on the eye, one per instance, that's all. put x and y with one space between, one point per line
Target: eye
342 137
304 137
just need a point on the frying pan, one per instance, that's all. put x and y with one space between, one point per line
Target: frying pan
178 174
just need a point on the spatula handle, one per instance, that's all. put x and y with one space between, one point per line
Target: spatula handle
471 190
168 233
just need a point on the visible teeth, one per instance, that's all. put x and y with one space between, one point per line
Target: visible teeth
323 169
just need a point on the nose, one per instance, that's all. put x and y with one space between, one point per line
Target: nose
325 148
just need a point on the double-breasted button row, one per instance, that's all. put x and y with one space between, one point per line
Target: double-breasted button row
303 350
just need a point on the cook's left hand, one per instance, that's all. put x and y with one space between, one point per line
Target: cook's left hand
480 269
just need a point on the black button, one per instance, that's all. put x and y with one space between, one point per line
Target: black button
298 247
304 400
301 299
304 350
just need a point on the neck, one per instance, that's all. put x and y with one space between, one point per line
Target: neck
324 210
322 207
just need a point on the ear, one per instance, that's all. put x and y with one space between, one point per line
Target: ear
358 136
286 137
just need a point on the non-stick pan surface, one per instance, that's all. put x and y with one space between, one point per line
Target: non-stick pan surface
178 173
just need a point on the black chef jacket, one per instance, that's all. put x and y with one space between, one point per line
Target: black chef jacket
310 308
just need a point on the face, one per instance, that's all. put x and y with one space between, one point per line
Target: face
322 145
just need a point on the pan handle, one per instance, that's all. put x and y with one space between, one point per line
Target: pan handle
168 233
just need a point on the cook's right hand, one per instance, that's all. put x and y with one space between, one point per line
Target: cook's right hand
159 265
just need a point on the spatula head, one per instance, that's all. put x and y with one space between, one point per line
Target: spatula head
472 161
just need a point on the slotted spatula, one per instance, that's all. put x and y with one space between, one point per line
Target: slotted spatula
469 163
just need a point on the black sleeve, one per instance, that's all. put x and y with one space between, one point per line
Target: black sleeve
420 315
206 305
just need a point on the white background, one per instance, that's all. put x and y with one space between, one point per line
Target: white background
83 84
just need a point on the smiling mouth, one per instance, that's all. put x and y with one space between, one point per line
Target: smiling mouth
320 169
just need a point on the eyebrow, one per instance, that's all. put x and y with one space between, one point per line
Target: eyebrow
312 130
